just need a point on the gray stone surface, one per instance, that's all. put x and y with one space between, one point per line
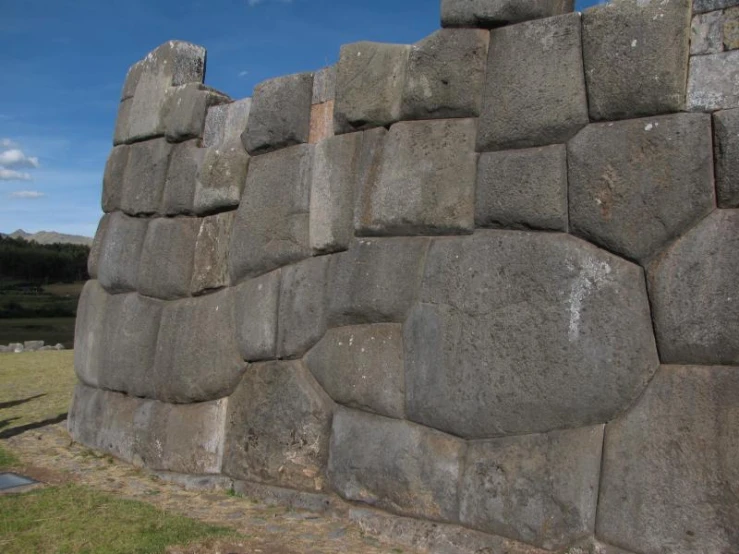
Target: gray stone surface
118 262
523 189
324 85
535 89
494 13
272 224
636 57
369 85
395 465
280 114
706 34
113 178
445 75
145 175
165 270
376 281
361 366
179 186
426 180
32 345
302 309
132 80
714 82
120 132
93 260
88 340
185 109
278 427
225 122
695 294
197 356
518 332
708 5
368 163
222 176
635 185
539 489
256 302
210 262
726 157
669 471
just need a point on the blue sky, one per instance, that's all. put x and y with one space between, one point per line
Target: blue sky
64 62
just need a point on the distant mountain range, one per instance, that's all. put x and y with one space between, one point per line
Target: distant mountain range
50 237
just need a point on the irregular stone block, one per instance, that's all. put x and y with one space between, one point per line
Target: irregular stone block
88 333
669 470
324 85
726 156
118 263
278 426
197 356
700 6
97 245
539 489
694 293
225 122
636 57
321 122
706 36
122 122
280 114
369 85
256 316
507 320
395 465
635 185
376 281
713 83
179 187
534 93
302 310
167 257
368 163
185 109
361 366
220 182
426 180
113 178
523 189
210 262
145 175
132 80
272 224
495 13
32 345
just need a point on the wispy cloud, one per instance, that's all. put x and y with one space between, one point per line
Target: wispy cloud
12 175
27 194
17 158
252 3
243 73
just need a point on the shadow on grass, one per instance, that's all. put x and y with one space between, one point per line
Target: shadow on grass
30 426
19 402
5 422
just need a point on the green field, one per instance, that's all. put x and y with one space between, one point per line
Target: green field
51 330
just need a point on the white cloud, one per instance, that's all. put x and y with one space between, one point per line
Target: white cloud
11 175
27 194
6 142
243 73
16 158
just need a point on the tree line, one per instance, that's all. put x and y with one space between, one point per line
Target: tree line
42 263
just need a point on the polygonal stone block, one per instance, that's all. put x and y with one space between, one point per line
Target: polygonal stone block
539 489
700 6
321 122
113 178
369 85
210 262
226 121
324 85
280 114
179 187
535 89
635 185
706 34
88 339
145 175
669 470
97 245
395 465
118 264
508 320
695 294
183 114
726 156
271 227
122 122
361 366
167 257
636 57
445 75
132 80
220 182
278 426
495 13
426 180
375 281
523 189
256 304
713 83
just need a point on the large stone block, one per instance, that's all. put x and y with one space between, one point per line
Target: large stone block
272 223
635 185
179 186
167 257
324 85
369 85
523 189
494 13
539 489
535 89
210 261
426 180
278 427
113 178
714 82
726 156
715 32
226 121
280 114
221 179
695 294
361 366
636 57
517 332
197 356
445 75
395 465
118 263
321 122
122 122
256 303
670 477
145 175
376 281
132 80
88 334
185 110
700 6
93 260
368 164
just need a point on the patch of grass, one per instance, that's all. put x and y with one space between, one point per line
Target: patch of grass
51 330
7 459
72 518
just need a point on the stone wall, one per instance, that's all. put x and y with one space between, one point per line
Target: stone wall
488 280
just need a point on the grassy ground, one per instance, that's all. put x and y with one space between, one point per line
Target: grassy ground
51 330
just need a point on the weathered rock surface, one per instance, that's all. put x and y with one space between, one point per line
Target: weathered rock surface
508 320
494 13
145 175
726 156
179 186
226 121
120 132
185 109
669 471
221 179
113 178
210 260
132 80
715 32
88 342
635 185
713 83
700 6
535 89
118 263
93 260
32 345
256 304
324 85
